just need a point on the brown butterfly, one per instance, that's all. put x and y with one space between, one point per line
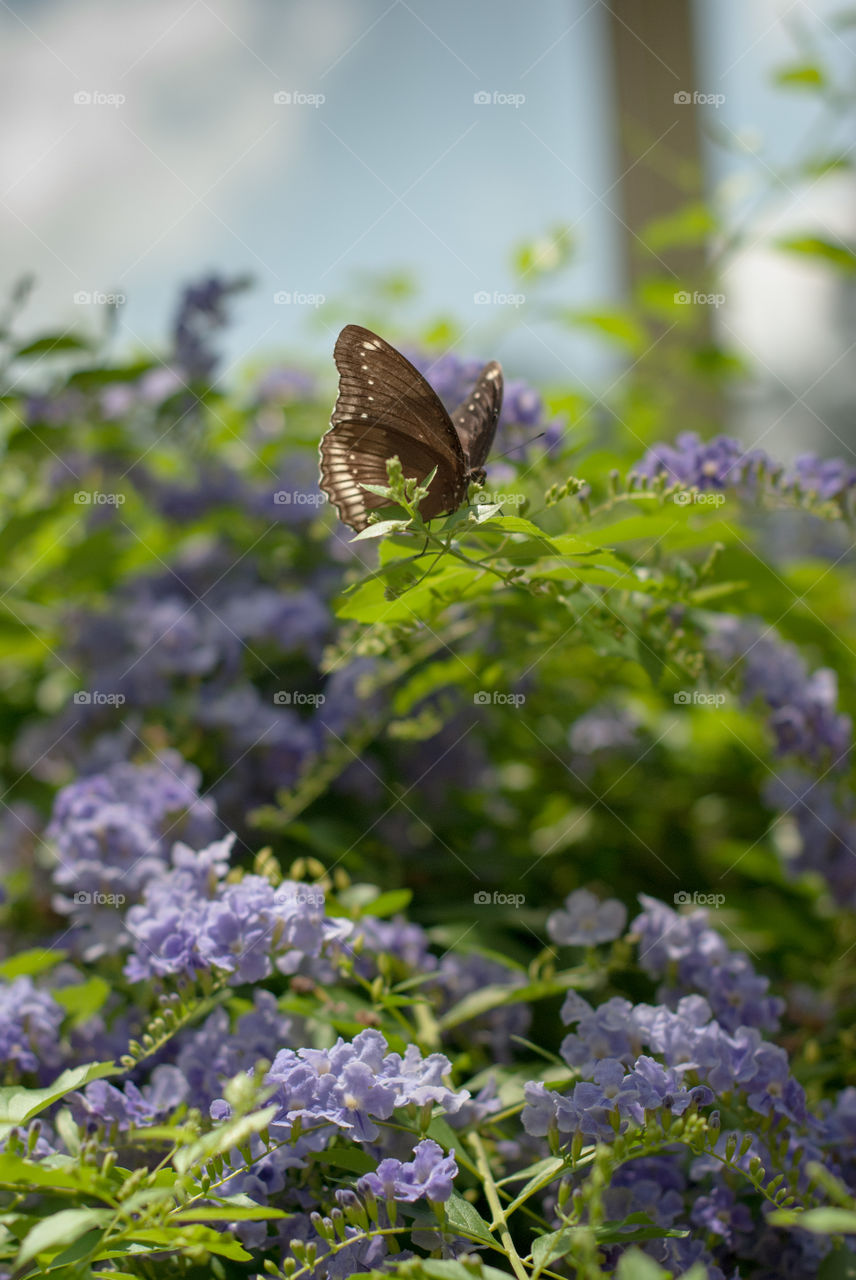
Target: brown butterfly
386 408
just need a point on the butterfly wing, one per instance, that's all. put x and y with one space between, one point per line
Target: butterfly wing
385 407
475 420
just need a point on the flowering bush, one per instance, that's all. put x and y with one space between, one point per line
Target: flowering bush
471 900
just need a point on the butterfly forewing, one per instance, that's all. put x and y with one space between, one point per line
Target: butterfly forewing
385 407
475 420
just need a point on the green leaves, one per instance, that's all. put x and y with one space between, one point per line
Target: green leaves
829 252
18 1106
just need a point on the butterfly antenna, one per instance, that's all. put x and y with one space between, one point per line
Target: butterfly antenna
522 445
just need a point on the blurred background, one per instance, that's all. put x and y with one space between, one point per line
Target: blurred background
315 146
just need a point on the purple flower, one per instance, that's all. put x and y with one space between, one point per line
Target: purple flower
721 1214
429 1175
586 921
827 477
201 314
103 1104
603 728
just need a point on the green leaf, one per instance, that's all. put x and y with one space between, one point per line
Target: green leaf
801 75
542 1174
826 1221
61 1229
379 529
37 960
17 1105
556 1244
635 1265
52 344
222 1140
354 1159
837 255
464 1217
387 904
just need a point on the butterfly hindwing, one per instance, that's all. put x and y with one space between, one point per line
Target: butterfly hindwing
385 407
475 420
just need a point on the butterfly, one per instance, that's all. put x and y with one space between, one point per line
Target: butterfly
386 408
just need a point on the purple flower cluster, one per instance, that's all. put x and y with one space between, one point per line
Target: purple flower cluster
104 1104
804 714
29 1028
719 463
207 646
112 832
350 1087
813 736
428 1176
201 314
688 1039
191 918
689 956
722 463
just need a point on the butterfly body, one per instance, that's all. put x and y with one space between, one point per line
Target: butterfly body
385 408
